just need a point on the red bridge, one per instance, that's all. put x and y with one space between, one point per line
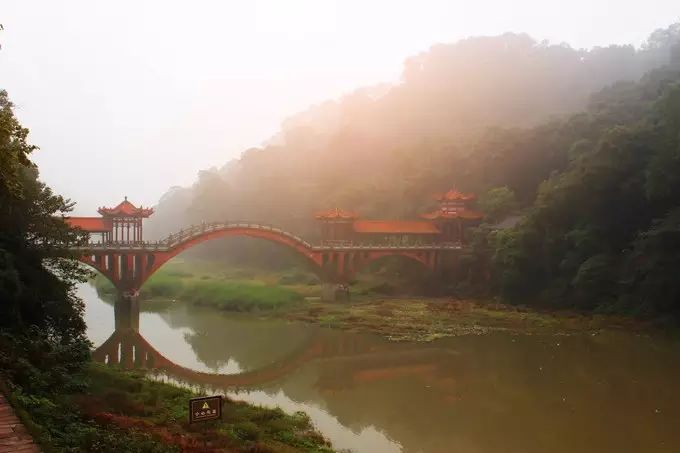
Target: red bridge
348 243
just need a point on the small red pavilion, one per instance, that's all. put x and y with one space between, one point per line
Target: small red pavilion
121 224
454 215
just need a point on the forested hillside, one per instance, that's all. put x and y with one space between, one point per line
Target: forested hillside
605 232
583 144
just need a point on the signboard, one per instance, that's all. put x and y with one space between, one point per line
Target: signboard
205 408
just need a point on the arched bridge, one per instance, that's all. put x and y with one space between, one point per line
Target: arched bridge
129 264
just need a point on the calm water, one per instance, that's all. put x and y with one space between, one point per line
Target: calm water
610 392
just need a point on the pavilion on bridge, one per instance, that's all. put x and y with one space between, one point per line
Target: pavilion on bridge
446 225
120 224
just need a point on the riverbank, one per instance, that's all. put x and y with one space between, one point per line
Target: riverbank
126 412
423 320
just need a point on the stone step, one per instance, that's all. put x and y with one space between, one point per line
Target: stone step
13 435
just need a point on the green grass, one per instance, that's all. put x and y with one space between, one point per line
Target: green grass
223 294
103 285
239 296
163 285
243 425
231 289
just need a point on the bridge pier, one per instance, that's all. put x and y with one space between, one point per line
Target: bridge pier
126 313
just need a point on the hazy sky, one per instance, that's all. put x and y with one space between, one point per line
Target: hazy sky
132 97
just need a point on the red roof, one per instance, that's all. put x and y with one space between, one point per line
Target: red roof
337 213
395 226
127 209
454 195
91 224
465 214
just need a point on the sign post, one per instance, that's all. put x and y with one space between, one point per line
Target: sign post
205 408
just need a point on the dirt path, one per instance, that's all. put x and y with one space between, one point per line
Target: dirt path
13 435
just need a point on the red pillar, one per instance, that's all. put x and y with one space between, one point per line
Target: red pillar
115 274
144 262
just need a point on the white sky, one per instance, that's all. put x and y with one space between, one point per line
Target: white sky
132 97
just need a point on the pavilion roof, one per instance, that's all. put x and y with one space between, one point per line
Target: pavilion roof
126 209
335 214
89 224
454 195
395 227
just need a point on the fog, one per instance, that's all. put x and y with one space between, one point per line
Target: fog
131 98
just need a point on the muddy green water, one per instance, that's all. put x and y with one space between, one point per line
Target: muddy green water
611 392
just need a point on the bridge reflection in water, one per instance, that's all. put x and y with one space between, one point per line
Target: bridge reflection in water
127 348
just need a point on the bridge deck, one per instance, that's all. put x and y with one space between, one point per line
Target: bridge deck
160 247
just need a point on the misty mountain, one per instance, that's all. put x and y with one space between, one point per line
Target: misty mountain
382 150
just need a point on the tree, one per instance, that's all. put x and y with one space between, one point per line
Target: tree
498 203
39 311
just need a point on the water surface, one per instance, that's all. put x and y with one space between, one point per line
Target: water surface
611 392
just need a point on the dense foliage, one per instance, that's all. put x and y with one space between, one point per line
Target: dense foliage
43 348
36 277
604 232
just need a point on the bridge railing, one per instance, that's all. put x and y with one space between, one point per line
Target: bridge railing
163 246
199 229
196 230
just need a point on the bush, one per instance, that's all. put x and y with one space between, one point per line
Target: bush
43 362
247 431
240 296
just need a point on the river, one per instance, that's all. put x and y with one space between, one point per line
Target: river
610 392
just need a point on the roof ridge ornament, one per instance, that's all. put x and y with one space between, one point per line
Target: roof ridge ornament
127 209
